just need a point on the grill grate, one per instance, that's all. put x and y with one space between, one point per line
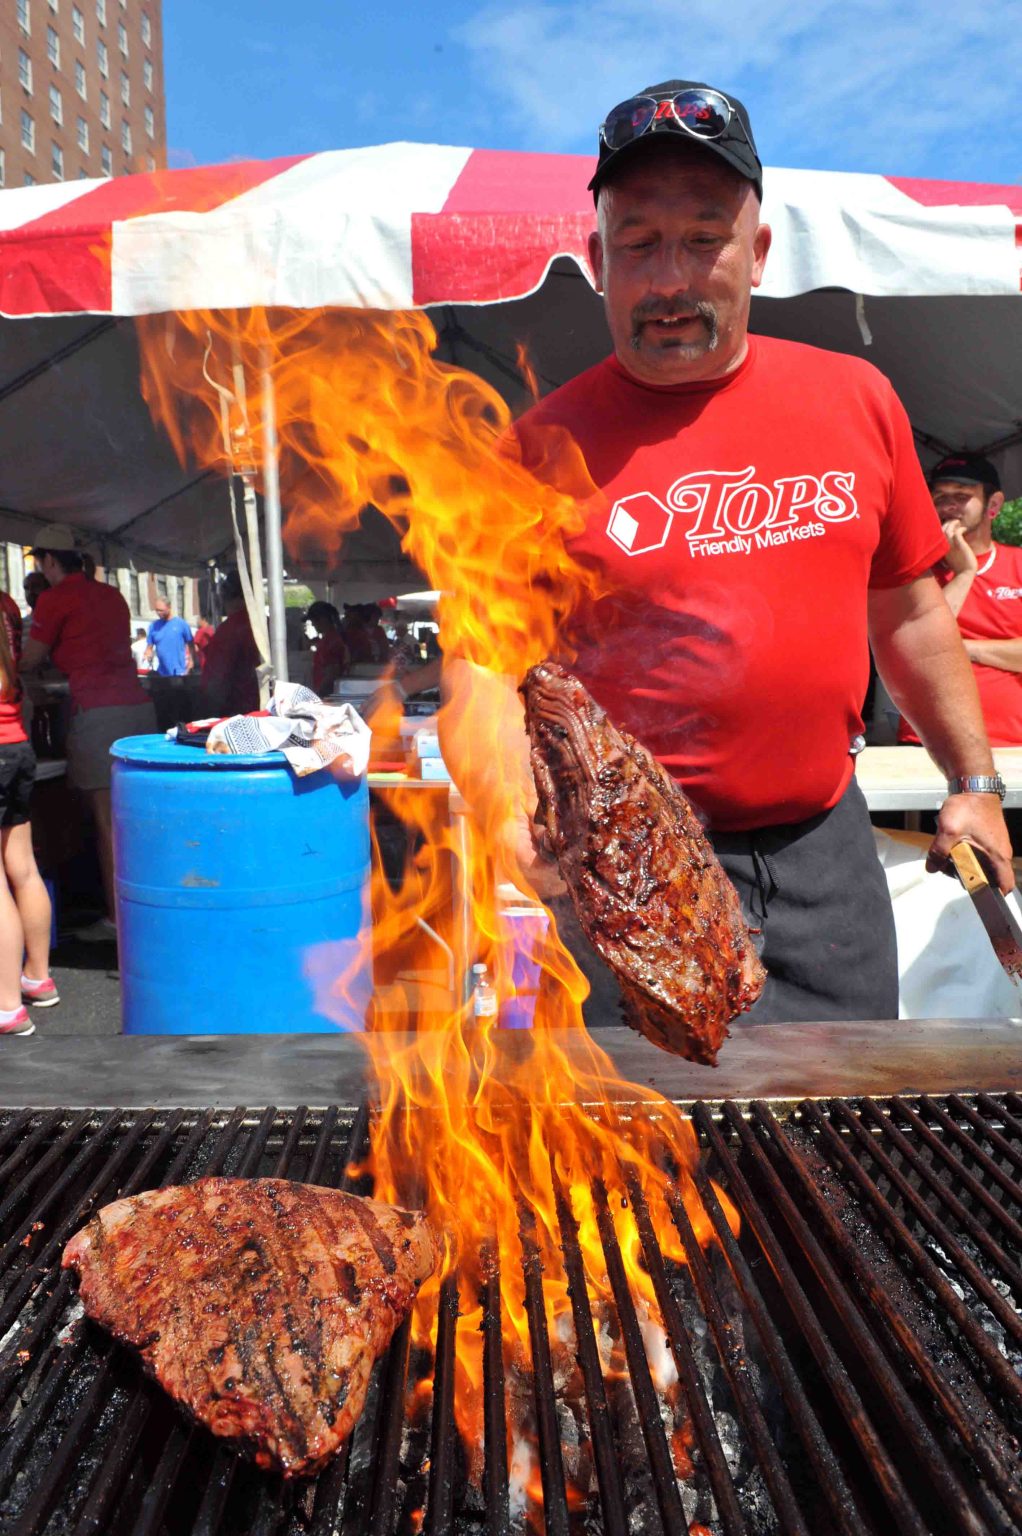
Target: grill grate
850 1363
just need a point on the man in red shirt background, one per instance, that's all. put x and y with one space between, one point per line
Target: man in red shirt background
982 585
229 685
203 635
84 628
759 513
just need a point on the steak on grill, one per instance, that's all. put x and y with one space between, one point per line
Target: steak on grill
649 893
259 1304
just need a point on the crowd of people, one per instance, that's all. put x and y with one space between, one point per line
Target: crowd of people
122 684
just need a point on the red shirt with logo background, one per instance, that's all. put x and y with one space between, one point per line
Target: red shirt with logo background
86 626
739 524
12 725
991 611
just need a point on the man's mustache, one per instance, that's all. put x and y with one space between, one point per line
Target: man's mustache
674 309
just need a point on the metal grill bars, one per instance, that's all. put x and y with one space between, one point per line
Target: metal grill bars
849 1363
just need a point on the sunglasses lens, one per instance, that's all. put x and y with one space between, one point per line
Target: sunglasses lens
627 121
703 113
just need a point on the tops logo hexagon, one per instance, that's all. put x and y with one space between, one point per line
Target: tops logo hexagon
639 523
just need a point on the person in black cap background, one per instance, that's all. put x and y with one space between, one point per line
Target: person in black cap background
760 513
982 585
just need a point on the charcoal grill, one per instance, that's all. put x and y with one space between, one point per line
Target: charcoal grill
851 1363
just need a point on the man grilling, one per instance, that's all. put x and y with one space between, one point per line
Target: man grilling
761 513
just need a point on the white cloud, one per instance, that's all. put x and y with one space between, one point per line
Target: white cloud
928 88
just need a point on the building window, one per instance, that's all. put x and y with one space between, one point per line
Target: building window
122 38
28 179
57 162
106 160
83 136
162 589
150 123
150 162
147 74
101 12
77 24
80 83
104 109
125 89
53 47
104 61
28 131
56 106
3 169
135 593
54 6
126 138
147 31
25 70
24 17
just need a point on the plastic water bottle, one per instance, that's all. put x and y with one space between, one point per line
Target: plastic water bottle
484 996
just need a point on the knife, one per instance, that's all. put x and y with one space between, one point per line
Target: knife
994 913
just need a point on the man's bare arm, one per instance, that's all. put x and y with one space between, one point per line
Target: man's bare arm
1006 654
486 747
961 559
33 655
957 590
920 656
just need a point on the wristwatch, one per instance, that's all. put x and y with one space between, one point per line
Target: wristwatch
978 784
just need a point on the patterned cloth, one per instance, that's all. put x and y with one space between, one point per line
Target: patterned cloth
312 735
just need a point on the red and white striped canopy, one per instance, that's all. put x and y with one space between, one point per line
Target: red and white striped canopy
419 224
495 242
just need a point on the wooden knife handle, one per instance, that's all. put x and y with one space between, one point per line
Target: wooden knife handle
970 870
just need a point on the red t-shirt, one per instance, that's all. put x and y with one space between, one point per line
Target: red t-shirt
991 611
12 725
228 677
329 660
86 626
203 635
739 524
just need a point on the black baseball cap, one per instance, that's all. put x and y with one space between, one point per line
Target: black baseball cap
966 469
734 145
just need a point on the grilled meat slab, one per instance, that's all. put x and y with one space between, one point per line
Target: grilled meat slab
259 1304
650 896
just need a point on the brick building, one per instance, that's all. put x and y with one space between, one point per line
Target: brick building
81 89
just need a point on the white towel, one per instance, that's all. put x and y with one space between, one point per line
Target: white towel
312 735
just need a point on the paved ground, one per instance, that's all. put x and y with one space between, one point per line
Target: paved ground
90 991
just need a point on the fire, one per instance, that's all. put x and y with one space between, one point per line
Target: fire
488 1130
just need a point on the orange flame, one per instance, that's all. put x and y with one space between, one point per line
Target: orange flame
489 1129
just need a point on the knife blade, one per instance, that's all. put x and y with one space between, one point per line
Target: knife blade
993 911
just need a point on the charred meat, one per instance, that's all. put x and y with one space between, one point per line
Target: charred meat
259 1304
650 895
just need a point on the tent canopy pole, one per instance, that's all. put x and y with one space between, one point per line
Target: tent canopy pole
272 531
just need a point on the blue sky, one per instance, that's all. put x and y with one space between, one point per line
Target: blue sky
921 88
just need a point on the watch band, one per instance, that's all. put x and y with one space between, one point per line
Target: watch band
978 784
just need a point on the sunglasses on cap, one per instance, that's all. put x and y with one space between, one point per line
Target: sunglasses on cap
704 114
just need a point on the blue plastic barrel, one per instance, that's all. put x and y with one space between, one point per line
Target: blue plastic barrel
242 893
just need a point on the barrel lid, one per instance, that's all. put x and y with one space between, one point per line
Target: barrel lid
158 752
